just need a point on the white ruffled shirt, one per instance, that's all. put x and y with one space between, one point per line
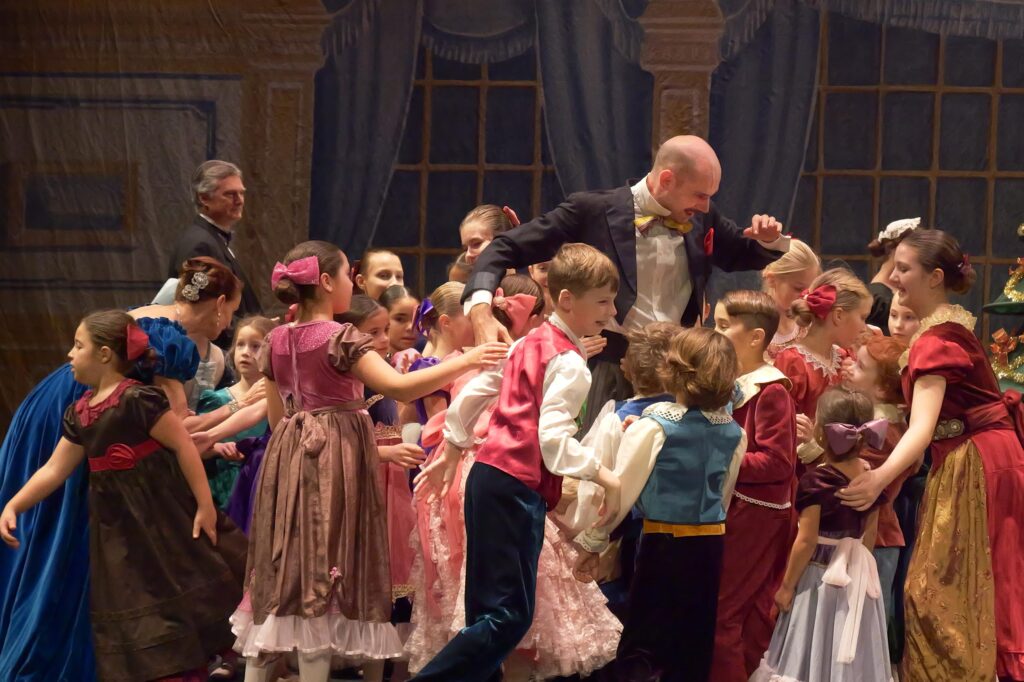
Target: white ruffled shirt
566 383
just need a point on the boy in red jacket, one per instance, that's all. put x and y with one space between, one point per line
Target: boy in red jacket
760 520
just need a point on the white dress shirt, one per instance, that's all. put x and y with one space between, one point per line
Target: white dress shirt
566 383
634 462
663 282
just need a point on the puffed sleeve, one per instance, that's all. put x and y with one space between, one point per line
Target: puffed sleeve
932 354
814 486
263 357
346 346
146 405
69 425
792 365
177 356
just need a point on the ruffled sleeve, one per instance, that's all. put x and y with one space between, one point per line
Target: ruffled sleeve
177 356
933 354
146 404
346 346
69 425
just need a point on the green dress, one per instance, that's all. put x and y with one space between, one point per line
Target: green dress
221 473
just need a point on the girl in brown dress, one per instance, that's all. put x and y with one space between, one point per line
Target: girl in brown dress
318 569
160 593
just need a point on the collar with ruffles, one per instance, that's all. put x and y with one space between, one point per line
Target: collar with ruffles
943 314
87 414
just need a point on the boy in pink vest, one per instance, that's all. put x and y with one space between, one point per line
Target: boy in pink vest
517 477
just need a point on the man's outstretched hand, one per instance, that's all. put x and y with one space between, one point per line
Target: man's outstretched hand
764 228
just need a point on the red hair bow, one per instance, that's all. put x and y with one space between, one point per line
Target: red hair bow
137 341
821 300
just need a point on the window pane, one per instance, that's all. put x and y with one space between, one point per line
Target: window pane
911 57
510 189
850 122
965 127
449 70
399 223
1007 215
970 61
551 193
453 127
521 68
412 139
960 209
450 195
1010 145
802 223
854 49
907 131
845 230
510 125
437 270
903 198
1013 63
411 271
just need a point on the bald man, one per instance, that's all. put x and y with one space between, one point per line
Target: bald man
663 232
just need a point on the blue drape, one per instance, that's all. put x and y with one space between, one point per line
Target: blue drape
762 100
598 100
362 96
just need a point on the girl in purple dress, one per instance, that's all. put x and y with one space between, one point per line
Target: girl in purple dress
831 626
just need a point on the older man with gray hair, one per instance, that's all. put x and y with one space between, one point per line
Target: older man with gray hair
219 197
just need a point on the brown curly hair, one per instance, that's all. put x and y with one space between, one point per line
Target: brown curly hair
701 368
648 348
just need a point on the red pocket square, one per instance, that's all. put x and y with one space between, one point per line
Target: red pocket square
709 242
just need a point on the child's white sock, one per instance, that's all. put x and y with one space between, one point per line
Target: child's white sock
314 667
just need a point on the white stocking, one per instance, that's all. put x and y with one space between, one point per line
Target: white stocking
314 667
255 672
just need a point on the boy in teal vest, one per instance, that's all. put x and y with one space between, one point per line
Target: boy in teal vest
691 450
517 476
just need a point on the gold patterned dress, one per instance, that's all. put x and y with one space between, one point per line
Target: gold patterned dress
965 584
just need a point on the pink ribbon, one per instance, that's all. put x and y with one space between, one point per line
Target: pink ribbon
301 271
518 307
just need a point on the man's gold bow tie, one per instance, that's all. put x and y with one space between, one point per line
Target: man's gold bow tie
643 223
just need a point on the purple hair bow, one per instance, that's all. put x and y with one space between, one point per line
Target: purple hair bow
422 310
301 271
844 437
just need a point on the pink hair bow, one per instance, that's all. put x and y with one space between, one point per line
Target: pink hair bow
844 437
518 307
821 300
301 271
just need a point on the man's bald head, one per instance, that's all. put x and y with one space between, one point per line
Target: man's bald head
685 175
686 153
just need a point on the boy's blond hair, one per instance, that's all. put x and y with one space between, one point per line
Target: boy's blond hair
580 268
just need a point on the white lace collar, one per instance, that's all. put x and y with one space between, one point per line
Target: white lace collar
944 313
751 383
894 414
815 362
674 412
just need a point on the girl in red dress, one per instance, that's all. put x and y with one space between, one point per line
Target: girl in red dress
965 586
833 311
